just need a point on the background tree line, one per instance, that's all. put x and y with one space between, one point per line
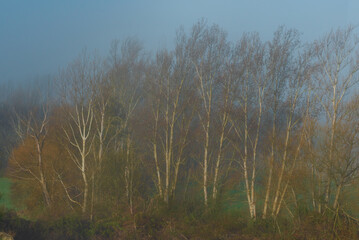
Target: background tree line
264 130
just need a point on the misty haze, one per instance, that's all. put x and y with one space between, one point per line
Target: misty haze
183 120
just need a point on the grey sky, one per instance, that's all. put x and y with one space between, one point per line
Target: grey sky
39 36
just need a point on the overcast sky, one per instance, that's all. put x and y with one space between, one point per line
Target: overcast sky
38 37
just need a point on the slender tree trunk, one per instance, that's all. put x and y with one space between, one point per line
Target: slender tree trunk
271 165
159 183
96 173
320 193
336 201
179 157
92 196
221 139
205 165
174 182
331 146
128 174
252 204
43 183
313 189
216 171
167 156
245 159
155 156
85 197
277 193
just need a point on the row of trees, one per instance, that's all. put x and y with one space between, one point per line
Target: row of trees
276 119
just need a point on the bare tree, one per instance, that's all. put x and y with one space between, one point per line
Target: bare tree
336 54
279 67
168 111
78 100
102 95
127 73
299 93
346 162
250 87
34 126
226 103
209 50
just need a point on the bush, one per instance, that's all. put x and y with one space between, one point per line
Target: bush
23 229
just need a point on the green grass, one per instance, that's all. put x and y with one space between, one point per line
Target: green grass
5 200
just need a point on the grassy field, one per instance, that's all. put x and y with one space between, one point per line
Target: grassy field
5 200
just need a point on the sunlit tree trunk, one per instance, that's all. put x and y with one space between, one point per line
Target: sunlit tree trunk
80 139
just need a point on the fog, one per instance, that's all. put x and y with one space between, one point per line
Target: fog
39 37
179 120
